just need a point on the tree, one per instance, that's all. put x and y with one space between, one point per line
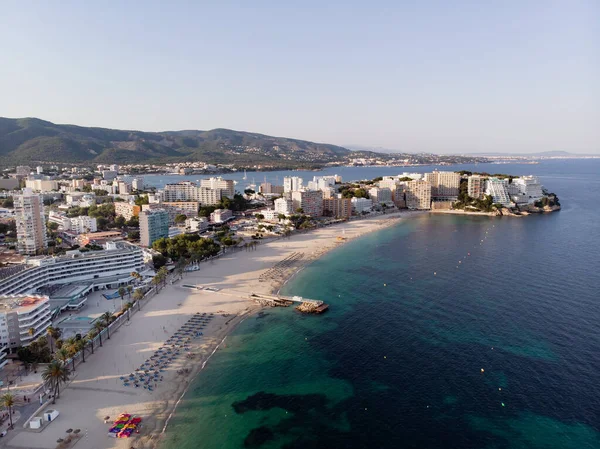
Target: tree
141 200
159 260
8 401
259 216
129 290
107 318
62 354
133 235
99 327
54 334
163 273
138 294
122 292
56 373
8 203
133 222
281 217
120 221
31 331
180 218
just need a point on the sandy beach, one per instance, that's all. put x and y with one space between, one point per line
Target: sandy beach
97 391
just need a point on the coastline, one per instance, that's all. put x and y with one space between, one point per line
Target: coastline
97 392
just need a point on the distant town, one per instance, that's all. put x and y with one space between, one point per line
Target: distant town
69 234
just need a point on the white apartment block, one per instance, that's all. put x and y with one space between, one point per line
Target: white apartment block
174 208
476 186
310 201
127 210
498 190
284 206
196 224
444 184
82 225
19 314
380 195
41 185
418 194
525 190
361 205
292 183
221 215
31 223
137 183
226 185
115 262
188 191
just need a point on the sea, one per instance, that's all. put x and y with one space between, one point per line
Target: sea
443 332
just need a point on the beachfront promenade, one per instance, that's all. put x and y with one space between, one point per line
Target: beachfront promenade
97 390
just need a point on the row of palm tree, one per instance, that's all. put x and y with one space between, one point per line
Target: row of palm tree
160 277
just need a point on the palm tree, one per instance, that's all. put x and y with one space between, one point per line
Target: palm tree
51 332
8 401
56 373
62 354
81 344
129 290
163 272
106 317
99 326
138 294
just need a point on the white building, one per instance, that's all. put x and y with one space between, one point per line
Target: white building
23 319
284 206
31 223
444 185
292 183
39 169
526 190
221 215
360 205
418 194
137 183
196 224
82 225
41 185
112 265
498 190
380 195
109 175
188 191
226 185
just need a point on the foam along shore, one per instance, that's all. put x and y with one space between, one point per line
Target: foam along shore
97 390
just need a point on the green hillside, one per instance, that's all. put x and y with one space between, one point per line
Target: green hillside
30 140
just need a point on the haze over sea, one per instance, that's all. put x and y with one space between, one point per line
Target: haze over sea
416 312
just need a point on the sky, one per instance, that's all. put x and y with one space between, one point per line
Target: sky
438 76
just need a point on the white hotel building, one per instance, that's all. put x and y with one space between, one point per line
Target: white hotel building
111 266
19 314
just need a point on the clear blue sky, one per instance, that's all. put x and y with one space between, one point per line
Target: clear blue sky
440 76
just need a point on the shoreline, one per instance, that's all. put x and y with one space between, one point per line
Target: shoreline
234 276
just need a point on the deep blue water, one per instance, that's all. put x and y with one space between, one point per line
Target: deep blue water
417 311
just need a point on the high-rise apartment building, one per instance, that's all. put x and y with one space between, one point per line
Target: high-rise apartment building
284 206
418 194
310 201
380 195
226 185
444 184
154 224
337 207
476 186
31 224
498 190
127 210
188 191
525 190
292 183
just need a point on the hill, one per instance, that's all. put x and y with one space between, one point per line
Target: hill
31 140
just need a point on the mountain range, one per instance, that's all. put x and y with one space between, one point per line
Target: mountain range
31 140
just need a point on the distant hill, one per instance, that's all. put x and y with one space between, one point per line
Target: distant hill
33 140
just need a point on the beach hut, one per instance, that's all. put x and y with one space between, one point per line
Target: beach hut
36 423
51 415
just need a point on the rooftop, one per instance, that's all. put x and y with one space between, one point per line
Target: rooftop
20 303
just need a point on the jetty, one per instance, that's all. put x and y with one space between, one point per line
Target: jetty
305 305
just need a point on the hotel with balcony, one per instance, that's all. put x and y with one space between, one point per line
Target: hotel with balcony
96 269
22 320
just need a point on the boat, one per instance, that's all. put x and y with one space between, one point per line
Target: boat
245 176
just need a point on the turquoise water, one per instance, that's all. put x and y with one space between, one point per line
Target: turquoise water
417 311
